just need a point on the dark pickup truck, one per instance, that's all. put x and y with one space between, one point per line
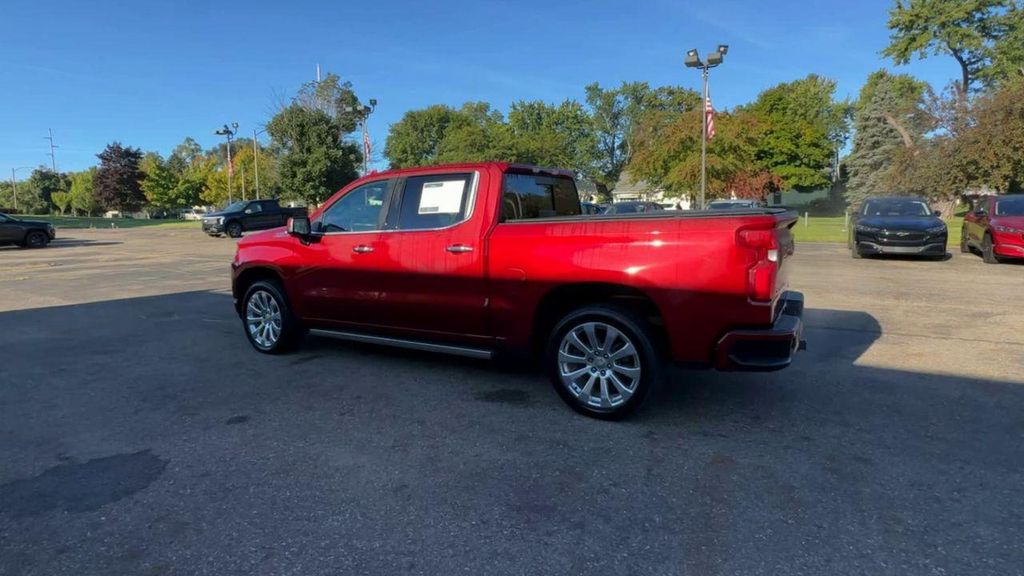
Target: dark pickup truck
25 233
248 215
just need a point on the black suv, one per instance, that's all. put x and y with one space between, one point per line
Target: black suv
898 225
25 233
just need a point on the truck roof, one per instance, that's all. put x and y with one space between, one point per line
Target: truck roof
502 166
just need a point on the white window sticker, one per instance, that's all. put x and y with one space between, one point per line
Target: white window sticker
442 197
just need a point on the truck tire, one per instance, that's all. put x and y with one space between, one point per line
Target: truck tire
603 360
233 229
267 319
36 239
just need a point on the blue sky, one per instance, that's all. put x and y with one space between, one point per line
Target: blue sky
149 74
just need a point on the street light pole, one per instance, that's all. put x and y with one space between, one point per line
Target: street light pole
228 132
704 139
693 60
256 159
363 112
14 185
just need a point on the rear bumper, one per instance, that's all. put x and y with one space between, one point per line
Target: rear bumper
765 349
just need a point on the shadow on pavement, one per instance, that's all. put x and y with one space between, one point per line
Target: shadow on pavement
342 451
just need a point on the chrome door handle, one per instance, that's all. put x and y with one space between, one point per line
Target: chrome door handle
362 249
459 248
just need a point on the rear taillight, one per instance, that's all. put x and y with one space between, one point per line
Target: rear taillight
763 247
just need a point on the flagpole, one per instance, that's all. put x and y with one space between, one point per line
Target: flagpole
704 140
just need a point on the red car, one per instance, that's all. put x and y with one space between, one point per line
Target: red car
489 258
995 228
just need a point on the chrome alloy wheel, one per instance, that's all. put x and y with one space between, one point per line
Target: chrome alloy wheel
599 365
263 319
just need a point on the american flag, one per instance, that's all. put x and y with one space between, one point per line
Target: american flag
709 111
367 147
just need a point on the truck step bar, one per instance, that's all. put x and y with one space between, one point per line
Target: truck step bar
480 353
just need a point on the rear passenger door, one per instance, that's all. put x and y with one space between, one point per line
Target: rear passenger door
432 258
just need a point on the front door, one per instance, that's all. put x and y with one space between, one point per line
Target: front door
343 287
9 231
434 257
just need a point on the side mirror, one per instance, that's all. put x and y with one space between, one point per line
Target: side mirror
937 214
298 226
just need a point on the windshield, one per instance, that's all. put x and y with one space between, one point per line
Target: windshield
235 207
896 207
1010 207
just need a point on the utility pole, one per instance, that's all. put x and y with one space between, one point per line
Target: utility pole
53 157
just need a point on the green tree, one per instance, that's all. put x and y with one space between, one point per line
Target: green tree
415 140
315 161
560 136
333 97
118 181
82 192
184 156
41 186
803 127
889 116
616 112
983 36
160 183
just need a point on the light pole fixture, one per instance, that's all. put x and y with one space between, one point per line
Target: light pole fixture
229 133
363 112
692 60
256 158
14 185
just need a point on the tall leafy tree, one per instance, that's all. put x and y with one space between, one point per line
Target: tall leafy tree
82 192
616 112
983 36
118 181
315 161
415 140
560 135
889 116
803 128
41 186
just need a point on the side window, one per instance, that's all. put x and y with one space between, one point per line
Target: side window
359 210
254 208
434 201
527 196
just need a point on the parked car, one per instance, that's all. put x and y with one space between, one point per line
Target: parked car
732 204
193 214
25 233
995 228
897 225
248 215
591 208
633 207
496 259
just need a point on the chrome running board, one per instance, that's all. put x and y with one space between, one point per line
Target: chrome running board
479 353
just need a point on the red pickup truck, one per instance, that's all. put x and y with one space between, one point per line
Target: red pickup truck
494 258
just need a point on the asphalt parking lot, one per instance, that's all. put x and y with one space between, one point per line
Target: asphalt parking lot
139 434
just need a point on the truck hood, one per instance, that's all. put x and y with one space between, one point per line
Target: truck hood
217 214
39 223
901 222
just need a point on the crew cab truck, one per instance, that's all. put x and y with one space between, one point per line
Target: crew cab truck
496 259
248 215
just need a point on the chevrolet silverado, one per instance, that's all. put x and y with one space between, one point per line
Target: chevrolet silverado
491 259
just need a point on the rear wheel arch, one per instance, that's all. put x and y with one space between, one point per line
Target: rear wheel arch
560 301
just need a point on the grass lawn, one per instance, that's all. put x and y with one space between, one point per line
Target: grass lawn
66 222
830 229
